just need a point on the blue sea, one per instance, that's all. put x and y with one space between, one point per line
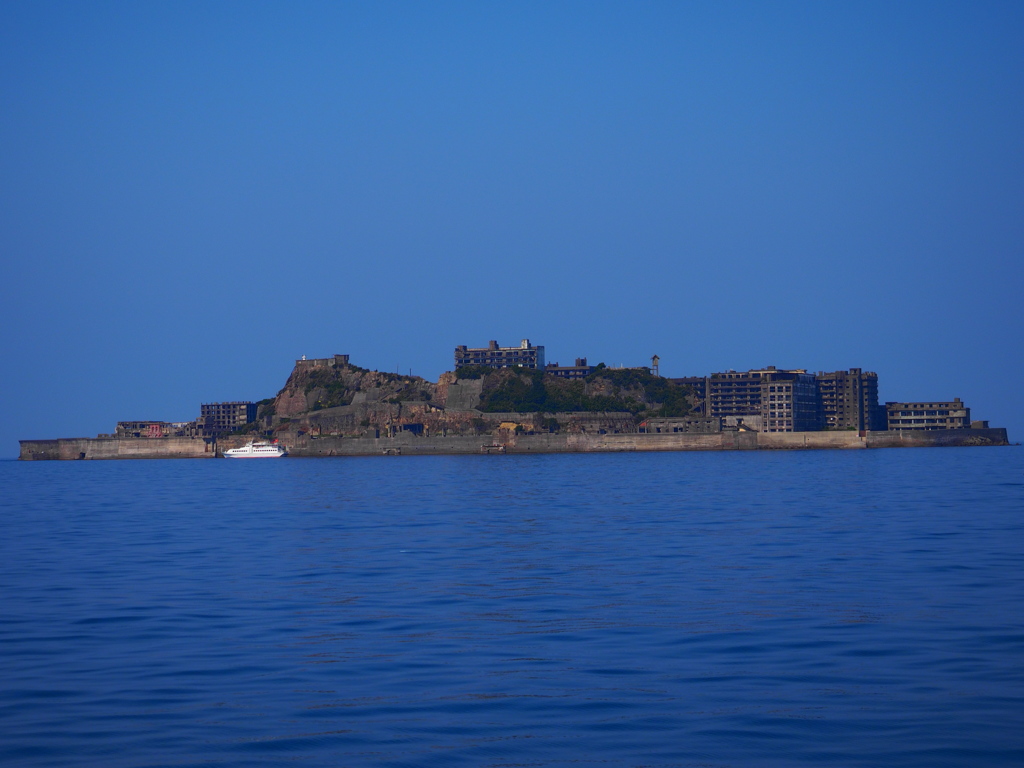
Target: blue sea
841 608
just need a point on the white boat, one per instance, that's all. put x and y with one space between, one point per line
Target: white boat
256 451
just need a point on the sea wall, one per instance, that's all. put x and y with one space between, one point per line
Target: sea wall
937 438
71 448
407 444
410 445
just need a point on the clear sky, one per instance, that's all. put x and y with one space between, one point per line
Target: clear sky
193 195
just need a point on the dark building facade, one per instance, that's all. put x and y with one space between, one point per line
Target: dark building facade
732 394
578 371
928 416
767 399
493 356
156 429
789 402
849 400
221 418
338 361
686 424
143 429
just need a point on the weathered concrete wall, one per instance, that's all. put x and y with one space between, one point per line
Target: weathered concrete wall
463 394
552 443
406 444
584 443
796 440
118 448
937 438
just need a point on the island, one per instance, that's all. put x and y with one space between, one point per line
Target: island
507 400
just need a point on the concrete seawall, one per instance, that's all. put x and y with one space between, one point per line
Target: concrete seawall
409 445
72 448
722 441
558 443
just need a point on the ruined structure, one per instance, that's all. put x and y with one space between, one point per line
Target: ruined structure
849 400
578 370
928 416
493 356
222 418
766 399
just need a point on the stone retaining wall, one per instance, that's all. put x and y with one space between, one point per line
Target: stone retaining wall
71 448
407 444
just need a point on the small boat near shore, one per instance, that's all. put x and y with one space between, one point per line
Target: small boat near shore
256 451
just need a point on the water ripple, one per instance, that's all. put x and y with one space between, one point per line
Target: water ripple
846 608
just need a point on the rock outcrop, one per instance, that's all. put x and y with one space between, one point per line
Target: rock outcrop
332 398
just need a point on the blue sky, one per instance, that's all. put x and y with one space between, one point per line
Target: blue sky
193 195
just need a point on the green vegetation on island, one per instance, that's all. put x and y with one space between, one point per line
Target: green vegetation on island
336 386
635 391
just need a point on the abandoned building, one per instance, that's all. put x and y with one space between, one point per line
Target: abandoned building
220 418
493 356
849 400
931 415
580 370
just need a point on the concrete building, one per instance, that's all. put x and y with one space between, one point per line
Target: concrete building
493 356
685 424
732 394
849 400
221 418
766 400
790 402
578 371
143 429
928 416
338 361
151 429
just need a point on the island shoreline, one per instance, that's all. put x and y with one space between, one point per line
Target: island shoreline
103 448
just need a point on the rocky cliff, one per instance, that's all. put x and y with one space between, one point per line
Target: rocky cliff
334 398
316 386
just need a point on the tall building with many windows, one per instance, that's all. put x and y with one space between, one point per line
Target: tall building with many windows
849 400
220 418
734 396
766 399
790 402
493 356
774 400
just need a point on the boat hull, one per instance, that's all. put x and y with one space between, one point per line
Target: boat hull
256 451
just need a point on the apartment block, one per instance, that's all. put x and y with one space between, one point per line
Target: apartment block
790 402
767 399
493 356
220 418
734 394
929 415
578 371
849 400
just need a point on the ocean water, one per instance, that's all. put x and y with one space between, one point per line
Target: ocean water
848 608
